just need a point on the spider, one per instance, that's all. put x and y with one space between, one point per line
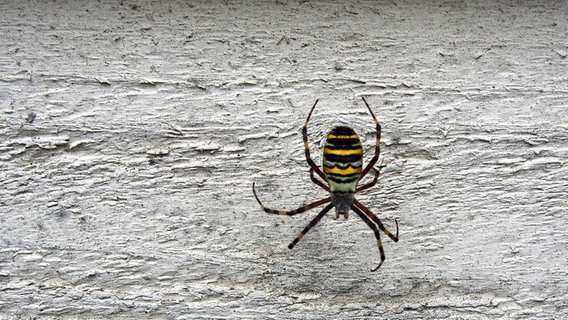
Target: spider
342 171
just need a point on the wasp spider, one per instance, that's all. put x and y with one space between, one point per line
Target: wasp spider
342 170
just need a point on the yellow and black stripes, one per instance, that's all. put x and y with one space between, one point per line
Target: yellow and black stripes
342 159
341 172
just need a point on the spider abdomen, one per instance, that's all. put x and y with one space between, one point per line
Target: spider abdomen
342 159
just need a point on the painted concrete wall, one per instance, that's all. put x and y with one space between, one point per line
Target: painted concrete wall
131 133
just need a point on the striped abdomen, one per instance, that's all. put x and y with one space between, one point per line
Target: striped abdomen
342 159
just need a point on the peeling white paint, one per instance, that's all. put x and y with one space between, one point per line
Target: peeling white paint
131 134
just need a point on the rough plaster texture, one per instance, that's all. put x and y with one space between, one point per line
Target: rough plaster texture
131 132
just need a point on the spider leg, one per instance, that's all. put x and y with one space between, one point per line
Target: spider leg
369 184
310 225
292 212
375 230
318 182
377 142
377 220
311 162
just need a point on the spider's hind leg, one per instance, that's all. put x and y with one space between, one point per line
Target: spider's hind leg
377 142
370 184
311 162
318 182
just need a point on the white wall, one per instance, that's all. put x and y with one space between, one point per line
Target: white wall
131 133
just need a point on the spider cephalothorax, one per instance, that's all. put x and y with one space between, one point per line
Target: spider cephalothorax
342 171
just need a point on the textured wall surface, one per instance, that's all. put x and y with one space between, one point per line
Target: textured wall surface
131 133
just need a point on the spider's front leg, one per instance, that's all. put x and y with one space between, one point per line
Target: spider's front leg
299 210
366 215
292 212
310 225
